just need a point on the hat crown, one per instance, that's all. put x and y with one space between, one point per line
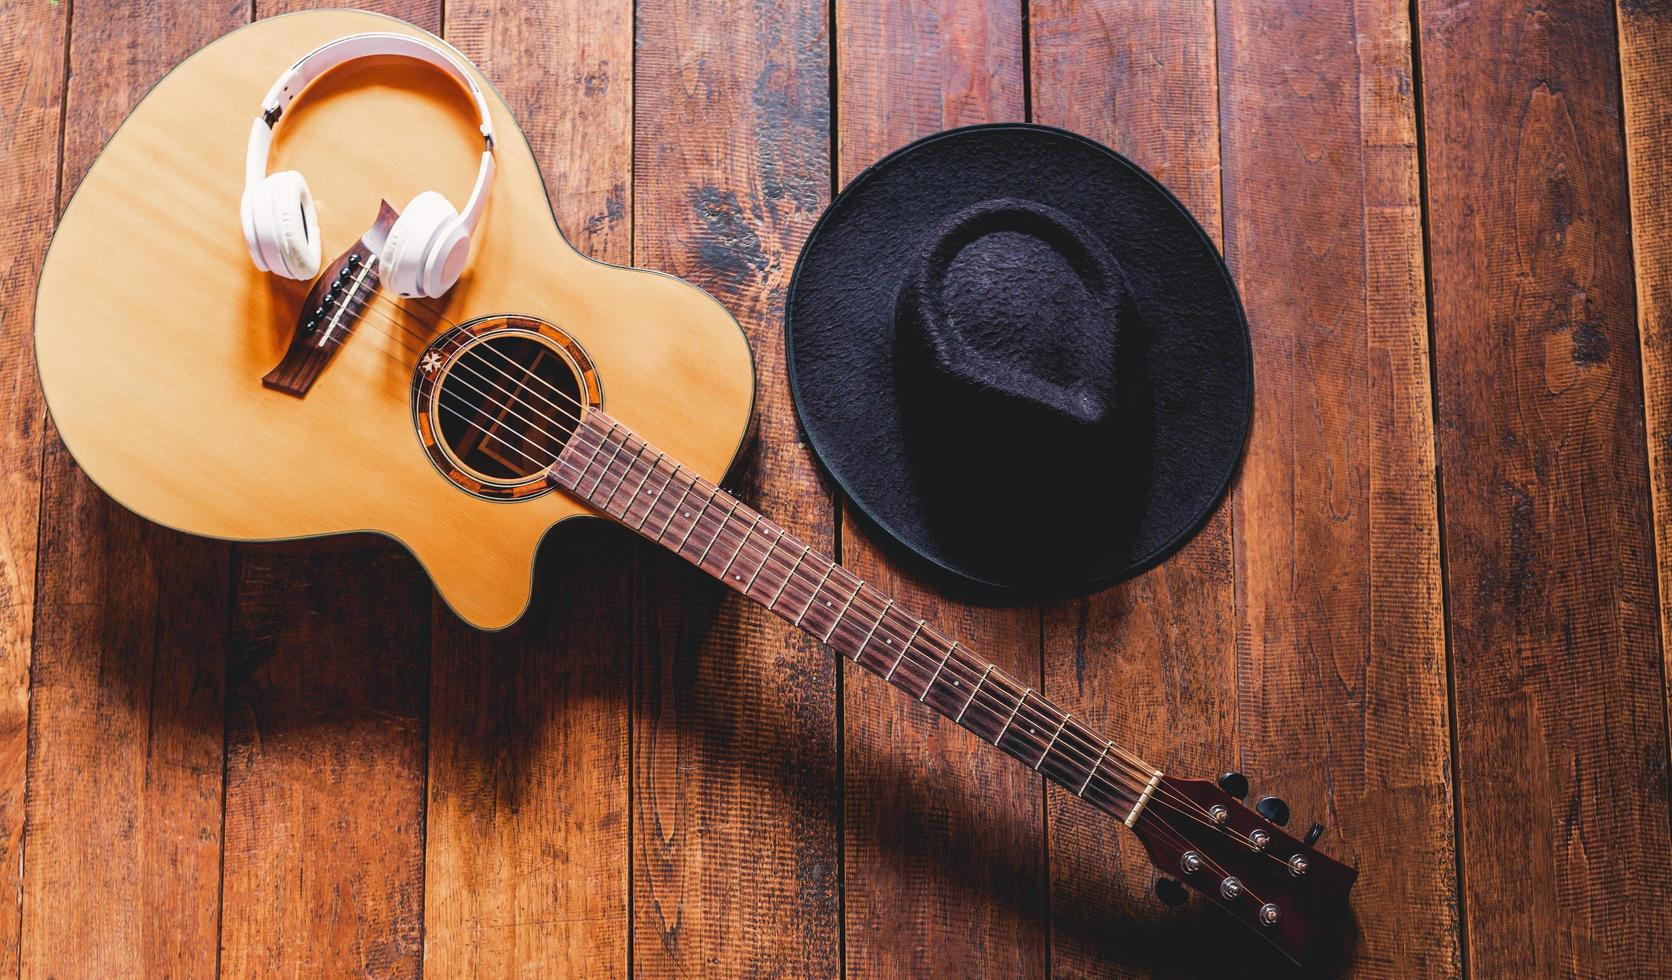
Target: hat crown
1013 303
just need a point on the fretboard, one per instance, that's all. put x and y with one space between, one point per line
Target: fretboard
626 478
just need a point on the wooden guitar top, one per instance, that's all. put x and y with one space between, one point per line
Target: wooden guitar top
153 329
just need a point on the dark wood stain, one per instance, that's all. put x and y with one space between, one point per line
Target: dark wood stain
735 764
1342 700
944 847
292 759
1153 660
1558 671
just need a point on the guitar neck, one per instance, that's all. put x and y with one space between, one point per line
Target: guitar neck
623 476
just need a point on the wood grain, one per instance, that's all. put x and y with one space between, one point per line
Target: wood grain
31 110
1342 697
256 464
528 788
325 743
325 770
734 735
122 842
944 836
1557 668
1152 661
1645 31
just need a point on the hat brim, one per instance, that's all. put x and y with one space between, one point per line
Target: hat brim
1186 390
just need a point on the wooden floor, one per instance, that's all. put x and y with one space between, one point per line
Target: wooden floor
1429 615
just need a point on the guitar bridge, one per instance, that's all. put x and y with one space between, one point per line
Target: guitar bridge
334 306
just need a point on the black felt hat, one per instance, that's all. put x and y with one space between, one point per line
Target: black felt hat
1021 357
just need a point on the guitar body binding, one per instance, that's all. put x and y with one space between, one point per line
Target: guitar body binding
153 331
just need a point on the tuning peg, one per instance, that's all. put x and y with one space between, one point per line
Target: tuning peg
1313 833
1273 809
1170 891
1234 783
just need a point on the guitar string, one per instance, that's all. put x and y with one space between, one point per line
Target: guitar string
1093 789
990 704
1077 740
1034 716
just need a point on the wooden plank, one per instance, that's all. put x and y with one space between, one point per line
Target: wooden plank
1342 696
1561 709
734 733
123 836
944 836
31 112
323 871
1152 661
527 846
1646 88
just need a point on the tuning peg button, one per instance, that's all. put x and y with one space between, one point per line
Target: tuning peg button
1170 891
1234 783
1273 809
1313 833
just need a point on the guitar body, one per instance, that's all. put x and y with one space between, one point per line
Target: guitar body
154 331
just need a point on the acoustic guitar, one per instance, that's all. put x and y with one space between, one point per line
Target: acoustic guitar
211 397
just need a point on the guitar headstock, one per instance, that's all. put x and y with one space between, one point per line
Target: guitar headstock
1277 885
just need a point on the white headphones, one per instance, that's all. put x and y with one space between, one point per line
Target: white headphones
426 249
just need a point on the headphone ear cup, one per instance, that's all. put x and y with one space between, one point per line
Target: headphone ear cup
295 226
404 261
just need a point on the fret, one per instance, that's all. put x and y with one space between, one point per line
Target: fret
938 668
723 525
694 521
650 497
618 459
567 458
973 692
669 522
1052 742
603 437
605 471
642 481
771 548
845 606
637 454
815 596
740 543
774 603
1094 767
873 631
636 504
903 649
1013 713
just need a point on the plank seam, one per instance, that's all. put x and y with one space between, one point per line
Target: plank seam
40 509
1419 108
1637 318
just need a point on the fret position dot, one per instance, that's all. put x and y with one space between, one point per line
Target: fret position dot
687 513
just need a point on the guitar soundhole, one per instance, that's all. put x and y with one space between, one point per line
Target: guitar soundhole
496 400
507 405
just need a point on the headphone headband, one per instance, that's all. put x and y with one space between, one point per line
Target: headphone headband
352 48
